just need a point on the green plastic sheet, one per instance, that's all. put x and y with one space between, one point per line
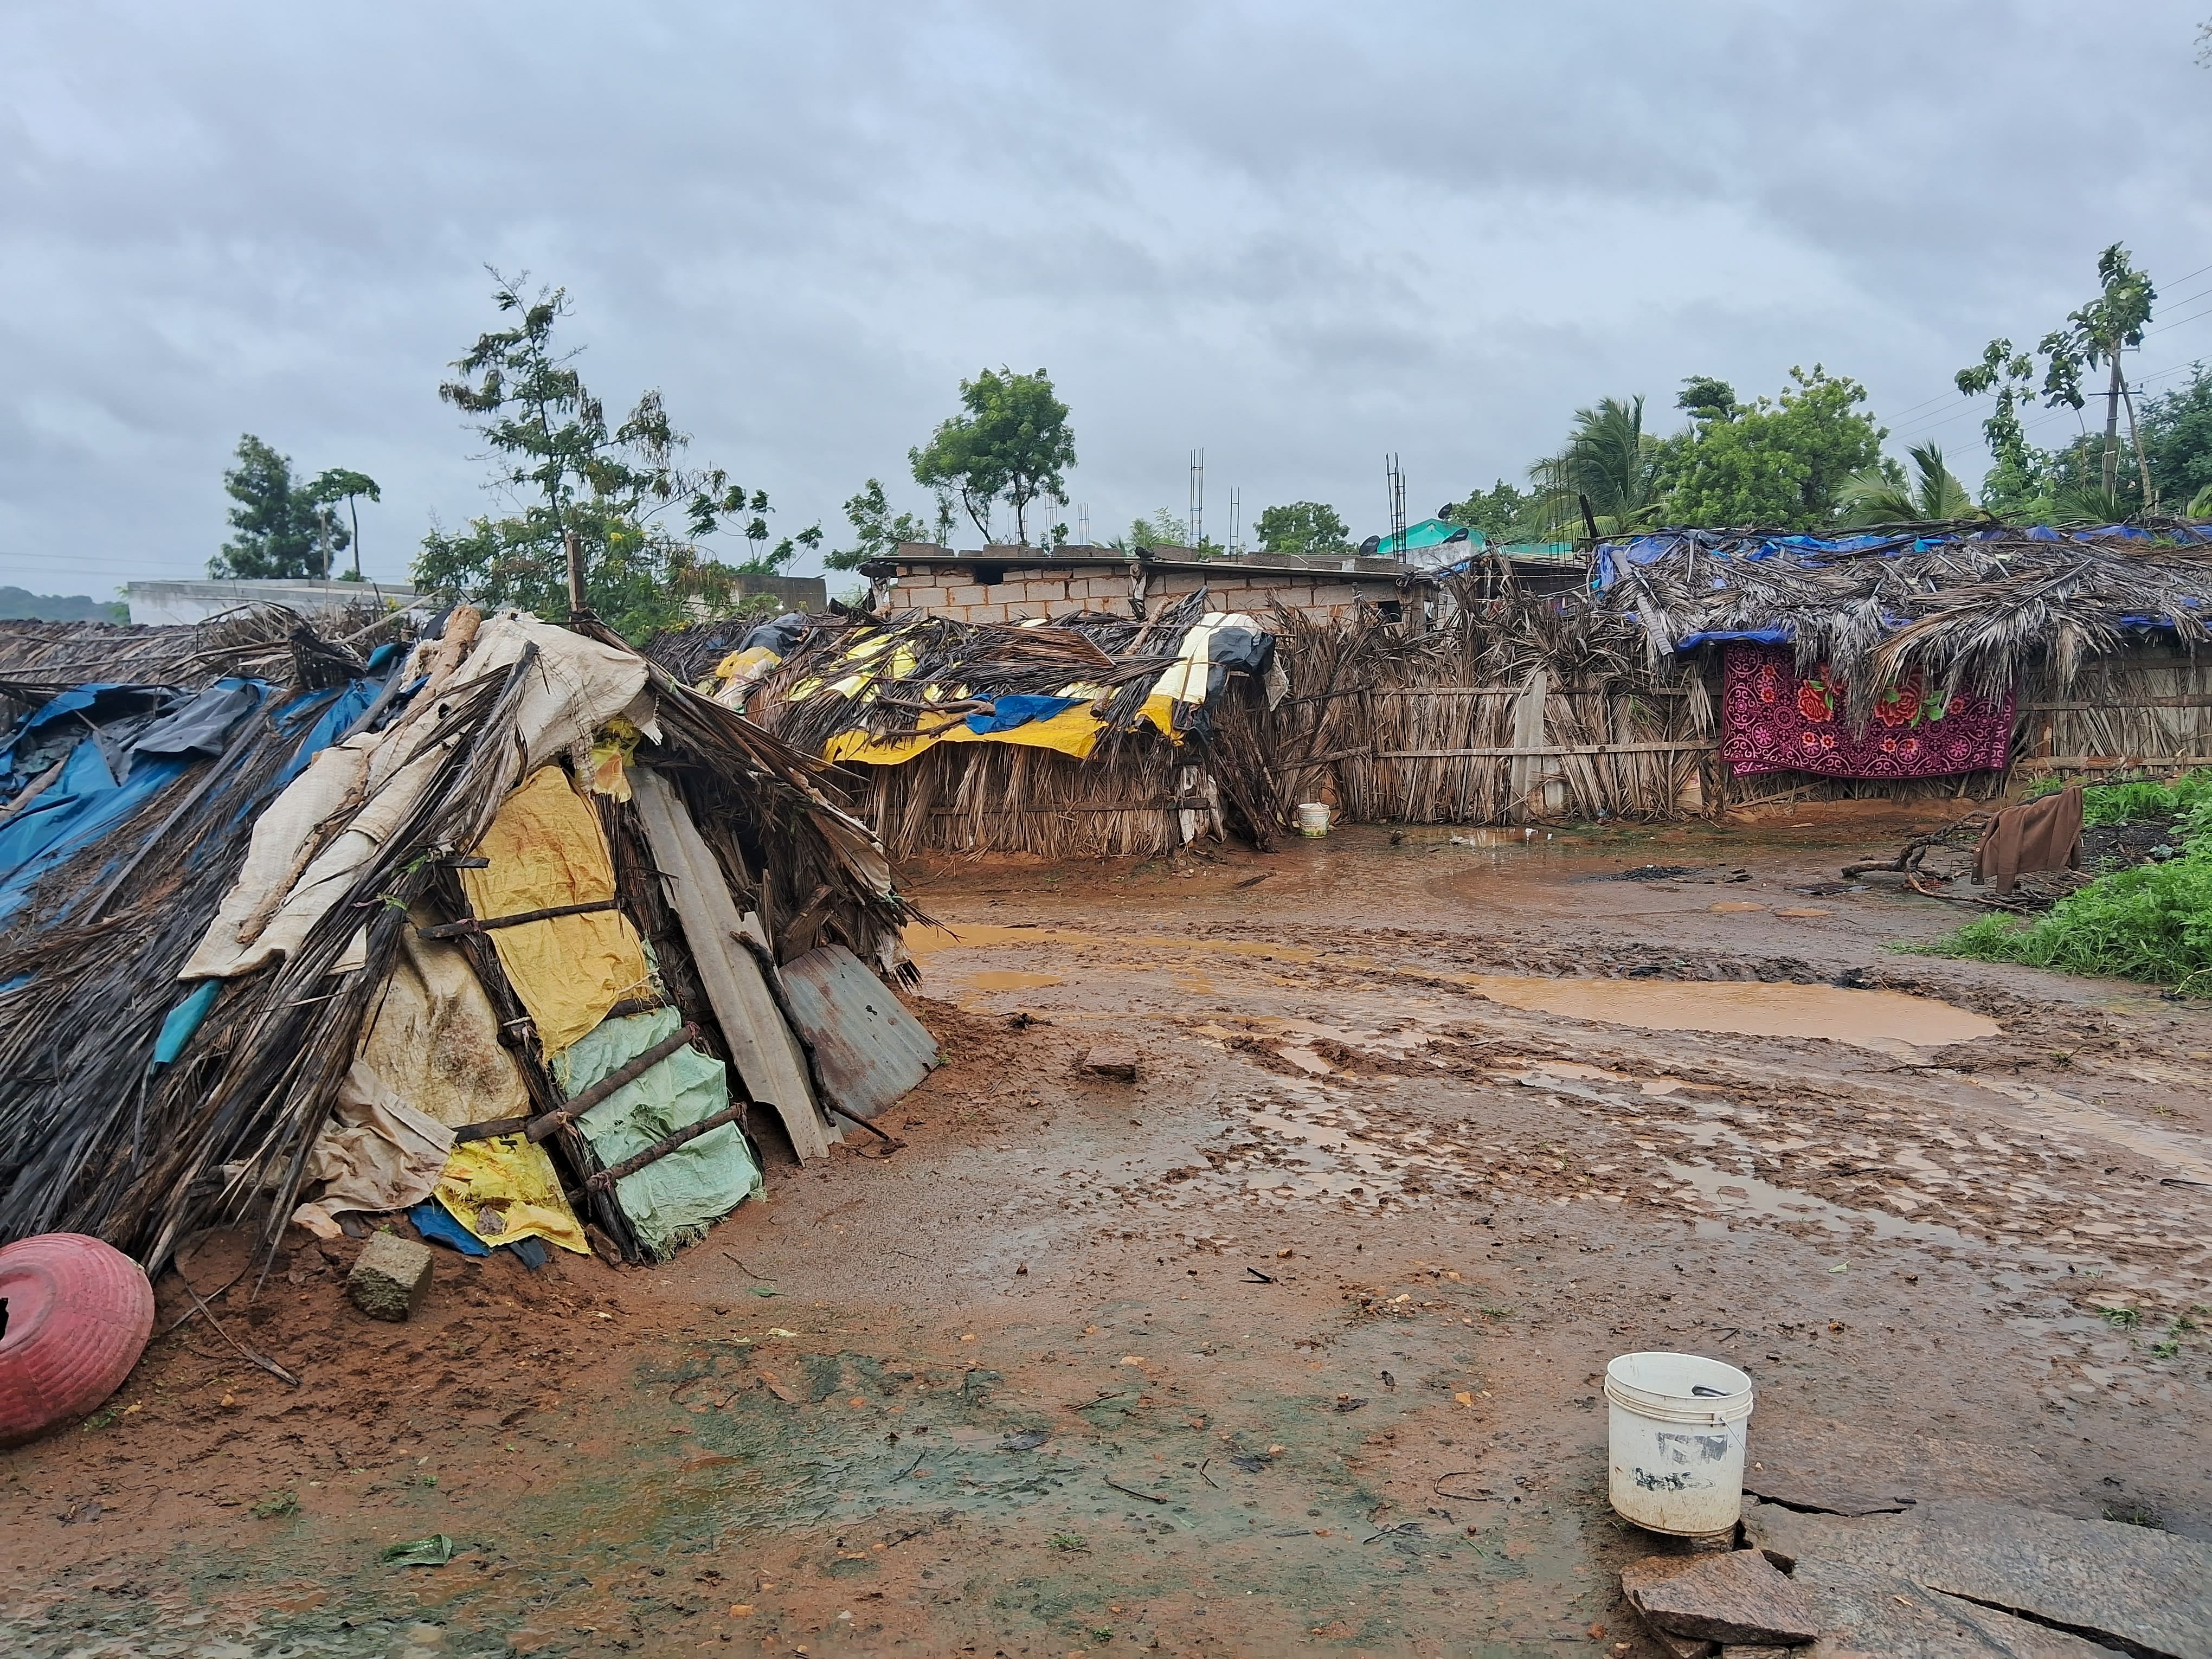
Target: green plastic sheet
672 1201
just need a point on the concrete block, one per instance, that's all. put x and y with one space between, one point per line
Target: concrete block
391 1277
1116 1061
967 594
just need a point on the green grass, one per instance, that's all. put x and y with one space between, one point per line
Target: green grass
2151 923
2135 803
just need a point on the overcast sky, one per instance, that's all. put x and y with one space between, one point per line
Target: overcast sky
1303 236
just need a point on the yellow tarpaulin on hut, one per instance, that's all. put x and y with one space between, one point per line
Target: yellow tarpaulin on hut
1072 732
505 1190
546 849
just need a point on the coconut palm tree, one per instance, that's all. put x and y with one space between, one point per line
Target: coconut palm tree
1611 461
1880 493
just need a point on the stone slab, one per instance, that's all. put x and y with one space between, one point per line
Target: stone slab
1799 1488
2148 1589
1865 1611
1735 1596
390 1278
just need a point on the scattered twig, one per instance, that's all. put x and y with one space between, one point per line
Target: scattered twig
1413 1527
245 1352
1208 1478
748 1271
1149 1497
1258 1277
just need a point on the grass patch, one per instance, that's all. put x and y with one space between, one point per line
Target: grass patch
2106 803
2152 923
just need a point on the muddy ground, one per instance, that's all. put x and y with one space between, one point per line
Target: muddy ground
1295 1343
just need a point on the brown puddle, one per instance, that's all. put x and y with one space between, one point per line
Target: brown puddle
1868 1019
1008 980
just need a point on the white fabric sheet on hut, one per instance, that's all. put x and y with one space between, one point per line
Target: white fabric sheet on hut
291 878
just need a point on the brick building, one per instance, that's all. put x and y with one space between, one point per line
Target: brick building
1014 584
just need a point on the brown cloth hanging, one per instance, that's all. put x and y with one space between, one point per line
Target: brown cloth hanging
2045 833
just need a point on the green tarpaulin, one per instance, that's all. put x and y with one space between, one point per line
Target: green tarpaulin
673 1200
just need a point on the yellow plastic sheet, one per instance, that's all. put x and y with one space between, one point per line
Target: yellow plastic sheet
1072 732
546 849
506 1188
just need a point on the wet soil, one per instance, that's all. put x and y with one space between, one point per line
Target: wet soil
1296 1343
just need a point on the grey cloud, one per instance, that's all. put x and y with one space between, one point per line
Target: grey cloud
1300 234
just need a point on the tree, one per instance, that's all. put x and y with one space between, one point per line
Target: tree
1012 444
277 533
340 483
1162 529
1704 398
1611 462
566 471
1880 494
2093 335
877 529
2176 437
1777 464
1496 512
1305 527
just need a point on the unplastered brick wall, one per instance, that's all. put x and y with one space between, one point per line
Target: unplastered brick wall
954 592
1326 595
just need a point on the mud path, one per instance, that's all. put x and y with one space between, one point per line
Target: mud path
1293 1344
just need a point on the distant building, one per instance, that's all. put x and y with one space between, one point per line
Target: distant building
1014 584
178 603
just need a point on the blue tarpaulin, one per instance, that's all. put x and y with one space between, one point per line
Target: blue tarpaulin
1010 711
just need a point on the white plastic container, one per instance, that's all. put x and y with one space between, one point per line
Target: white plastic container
1676 1424
1313 817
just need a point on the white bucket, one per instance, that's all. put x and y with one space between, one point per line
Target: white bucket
1313 817
1677 1454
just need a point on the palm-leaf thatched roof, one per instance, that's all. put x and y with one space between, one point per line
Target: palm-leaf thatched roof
1970 605
891 677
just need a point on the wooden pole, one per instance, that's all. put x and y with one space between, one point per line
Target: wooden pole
576 607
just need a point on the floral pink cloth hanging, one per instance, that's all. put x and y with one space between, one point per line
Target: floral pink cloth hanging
1771 721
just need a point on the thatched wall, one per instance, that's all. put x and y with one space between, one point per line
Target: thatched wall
1148 799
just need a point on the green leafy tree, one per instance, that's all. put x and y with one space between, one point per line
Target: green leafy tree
2176 437
566 471
1012 444
2094 335
1880 493
1777 463
1704 398
876 530
276 531
1496 512
1305 527
340 484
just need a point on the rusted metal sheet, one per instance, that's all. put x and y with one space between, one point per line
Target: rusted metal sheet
868 1050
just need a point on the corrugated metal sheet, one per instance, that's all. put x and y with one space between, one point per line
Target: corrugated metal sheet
868 1049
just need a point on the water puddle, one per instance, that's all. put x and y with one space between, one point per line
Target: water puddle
1879 1020
2186 1155
1749 1195
1008 980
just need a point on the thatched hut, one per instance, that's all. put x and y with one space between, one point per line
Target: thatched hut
1096 734
1929 658
501 918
